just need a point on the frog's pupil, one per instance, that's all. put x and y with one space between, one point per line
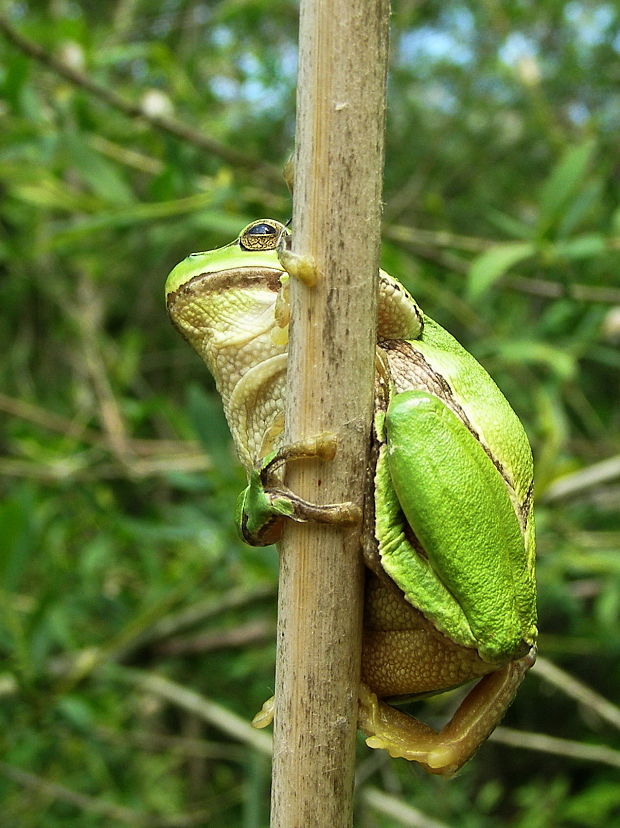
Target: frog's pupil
261 230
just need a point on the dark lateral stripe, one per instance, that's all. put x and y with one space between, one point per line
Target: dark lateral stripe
233 279
408 349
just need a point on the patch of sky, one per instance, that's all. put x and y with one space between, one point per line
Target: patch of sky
253 90
226 89
515 48
221 36
431 43
578 113
440 98
450 41
590 22
201 13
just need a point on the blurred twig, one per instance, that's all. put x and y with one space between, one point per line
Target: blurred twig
577 690
206 709
554 290
404 813
198 612
178 745
90 804
597 474
174 455
74 468
253 632
560 747
88 317
436 238
431 244
135 110
102 807
151 626
78 431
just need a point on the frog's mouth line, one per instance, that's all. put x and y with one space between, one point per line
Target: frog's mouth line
238 278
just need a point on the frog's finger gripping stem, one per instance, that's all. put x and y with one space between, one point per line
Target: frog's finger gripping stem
301 267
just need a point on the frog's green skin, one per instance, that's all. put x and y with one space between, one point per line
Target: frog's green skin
448 530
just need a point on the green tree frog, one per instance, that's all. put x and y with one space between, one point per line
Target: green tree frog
448 534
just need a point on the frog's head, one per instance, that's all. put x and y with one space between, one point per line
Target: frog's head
229 305
224 299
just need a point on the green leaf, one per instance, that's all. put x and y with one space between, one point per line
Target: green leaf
561 363
493 263
586 204
103 178
581 247
563 183
509 226
129 216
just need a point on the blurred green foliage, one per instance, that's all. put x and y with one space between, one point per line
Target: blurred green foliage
119 557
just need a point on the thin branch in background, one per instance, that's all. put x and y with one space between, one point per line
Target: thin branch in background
109 810
73 430
211 712
559 747
88 318
597 474
208 608
436 238
577 690
75 468
135 110
553 290
153 742
397 809
151 627
431 244
258 631
90 804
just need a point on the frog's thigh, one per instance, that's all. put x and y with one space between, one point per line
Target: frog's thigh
403 654
411 662
444 752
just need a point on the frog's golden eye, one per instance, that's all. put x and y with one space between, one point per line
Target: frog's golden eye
261 235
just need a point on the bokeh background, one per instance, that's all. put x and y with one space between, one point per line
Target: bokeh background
136 630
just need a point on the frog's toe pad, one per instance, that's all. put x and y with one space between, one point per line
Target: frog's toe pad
264 717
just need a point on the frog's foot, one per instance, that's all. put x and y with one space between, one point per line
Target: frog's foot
264 717
321 447
266 502
302 267
443 752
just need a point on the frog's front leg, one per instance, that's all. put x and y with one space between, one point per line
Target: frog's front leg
444 752
266 503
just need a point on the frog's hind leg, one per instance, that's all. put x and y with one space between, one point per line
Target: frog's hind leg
443 752
404 655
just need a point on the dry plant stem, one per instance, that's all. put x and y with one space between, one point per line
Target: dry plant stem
336 221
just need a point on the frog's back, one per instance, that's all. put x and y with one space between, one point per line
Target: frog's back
485 408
